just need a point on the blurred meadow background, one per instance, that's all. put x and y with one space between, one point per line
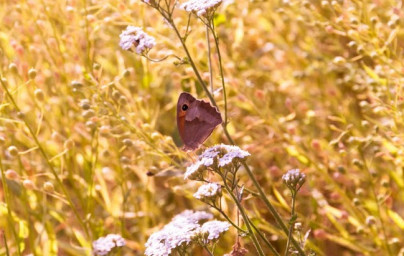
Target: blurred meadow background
88 137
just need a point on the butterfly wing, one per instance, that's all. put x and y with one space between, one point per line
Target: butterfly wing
197 122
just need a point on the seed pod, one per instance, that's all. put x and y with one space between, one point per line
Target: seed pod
32 73
48 187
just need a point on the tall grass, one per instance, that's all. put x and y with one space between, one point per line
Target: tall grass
89 145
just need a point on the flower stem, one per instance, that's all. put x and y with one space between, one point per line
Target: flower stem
291 222
209 60
245 218
229 220
207 249
265 239
219 55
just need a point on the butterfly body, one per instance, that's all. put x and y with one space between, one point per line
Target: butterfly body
196 120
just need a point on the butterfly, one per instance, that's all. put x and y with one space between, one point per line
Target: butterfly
196 120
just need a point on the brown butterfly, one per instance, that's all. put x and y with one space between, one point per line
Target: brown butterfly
196 120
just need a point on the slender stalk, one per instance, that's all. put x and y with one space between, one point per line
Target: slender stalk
292 223
209 61
207 249
199 77
5 244
219 55
245 218
265 239
41 149
9 215
229 220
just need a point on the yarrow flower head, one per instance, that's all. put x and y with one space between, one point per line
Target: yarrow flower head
183 229
195 170
201 7
104 245
217 156
208 192
294 179
136 37
213 229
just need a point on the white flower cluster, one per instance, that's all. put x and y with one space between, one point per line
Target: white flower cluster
214 228
136 37
294 179
220 155
103 245
209 191
201 7
182 230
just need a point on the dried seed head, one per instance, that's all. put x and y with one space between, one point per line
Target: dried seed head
76 84
88 113
32 73
11 174
28 184
13 150
96 66
370 220
127 142
13 68
48 187
39 94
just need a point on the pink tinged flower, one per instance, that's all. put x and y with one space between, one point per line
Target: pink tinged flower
137 38
208 191
103 245
201 7
179 232
195 170
214 229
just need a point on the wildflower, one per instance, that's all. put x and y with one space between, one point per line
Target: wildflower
208 191
180 232
214 229
103 245
201 7
136 37
195 170
294 179
225 154
190 216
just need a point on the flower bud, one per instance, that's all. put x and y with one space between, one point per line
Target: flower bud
11 174
28 184
13 150
39 94
294 179
13 68
48 187
32 73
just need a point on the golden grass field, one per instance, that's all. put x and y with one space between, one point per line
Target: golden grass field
89 143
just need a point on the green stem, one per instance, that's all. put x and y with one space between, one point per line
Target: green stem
229 220
5 244
264 239
9 215
41 149
210 96
245 218
207 249
209 60
219 55
292 223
